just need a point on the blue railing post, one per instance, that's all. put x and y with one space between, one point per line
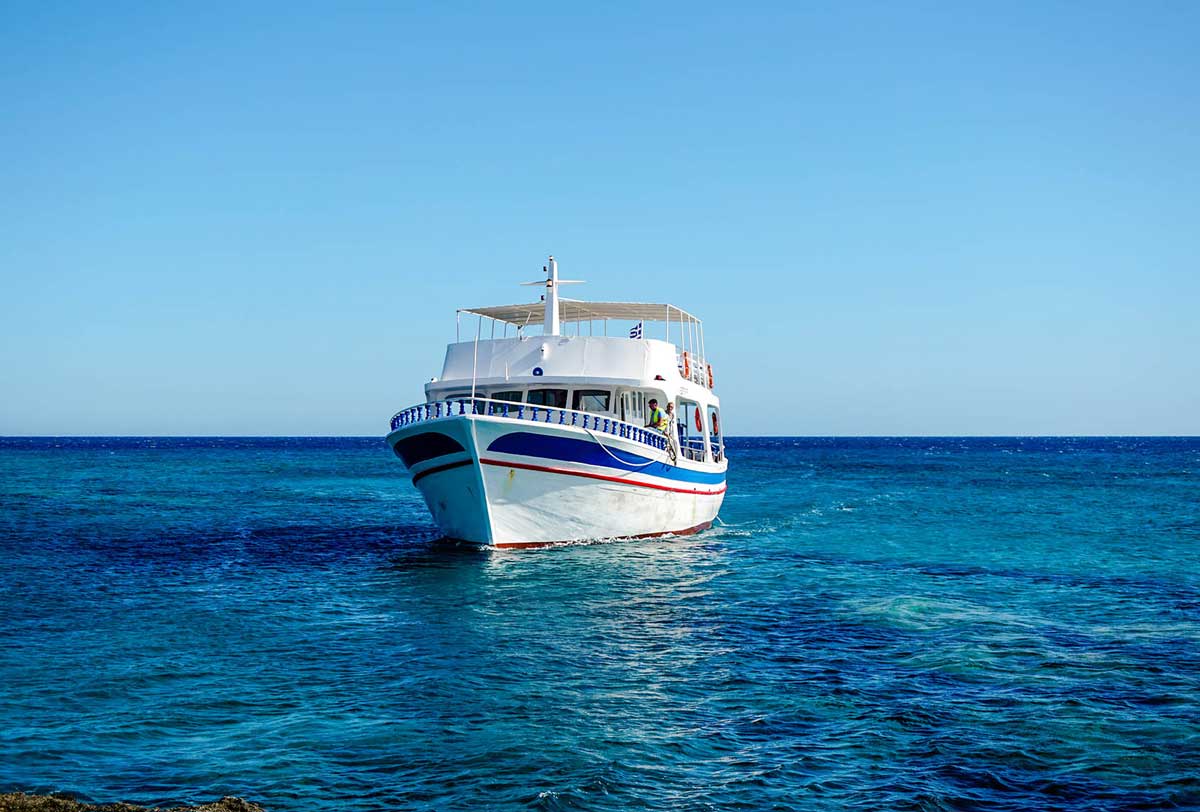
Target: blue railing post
562 417
506 410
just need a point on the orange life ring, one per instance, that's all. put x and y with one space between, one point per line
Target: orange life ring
716 426
699 422
710 377
687 365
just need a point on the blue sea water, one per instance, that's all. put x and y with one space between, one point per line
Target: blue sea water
878 624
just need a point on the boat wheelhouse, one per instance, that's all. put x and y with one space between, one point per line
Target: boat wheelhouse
531 439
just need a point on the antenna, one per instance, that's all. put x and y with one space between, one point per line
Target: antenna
550 326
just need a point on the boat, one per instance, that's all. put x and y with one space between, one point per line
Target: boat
539 438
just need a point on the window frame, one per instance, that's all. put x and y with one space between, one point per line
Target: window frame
565 397
577 394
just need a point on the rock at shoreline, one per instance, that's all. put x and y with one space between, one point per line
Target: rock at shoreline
20 802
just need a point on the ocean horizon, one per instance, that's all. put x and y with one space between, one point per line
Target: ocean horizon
875 623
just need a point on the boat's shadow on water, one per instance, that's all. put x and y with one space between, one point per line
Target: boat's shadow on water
434 551
431 551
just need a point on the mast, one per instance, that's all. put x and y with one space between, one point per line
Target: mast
550 327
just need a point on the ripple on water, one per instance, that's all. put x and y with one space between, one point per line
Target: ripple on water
877 624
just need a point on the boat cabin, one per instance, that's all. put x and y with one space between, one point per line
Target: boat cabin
599 358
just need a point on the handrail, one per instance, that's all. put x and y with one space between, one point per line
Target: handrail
530 412
698 368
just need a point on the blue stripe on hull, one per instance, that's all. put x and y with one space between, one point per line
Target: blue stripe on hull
588 452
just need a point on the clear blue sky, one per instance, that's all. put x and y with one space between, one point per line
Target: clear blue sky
895 218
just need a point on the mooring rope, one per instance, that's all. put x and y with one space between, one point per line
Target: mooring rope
614 456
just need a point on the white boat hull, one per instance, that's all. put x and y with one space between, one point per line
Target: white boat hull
501 482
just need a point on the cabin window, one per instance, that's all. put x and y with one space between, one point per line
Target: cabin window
556 398
691 430
633 407
512 396
591 400
450 396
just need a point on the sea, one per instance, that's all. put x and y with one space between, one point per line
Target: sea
874 624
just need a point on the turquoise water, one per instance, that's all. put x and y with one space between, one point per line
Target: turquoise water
880 624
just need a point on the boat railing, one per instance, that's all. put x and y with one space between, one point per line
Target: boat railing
693 368
692 448
553 415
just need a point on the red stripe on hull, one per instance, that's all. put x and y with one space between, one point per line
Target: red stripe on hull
526 545
621 480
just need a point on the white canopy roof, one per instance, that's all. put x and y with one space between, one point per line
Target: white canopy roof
574 310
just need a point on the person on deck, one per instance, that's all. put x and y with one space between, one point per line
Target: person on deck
658 418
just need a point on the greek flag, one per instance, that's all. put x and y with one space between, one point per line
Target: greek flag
636 330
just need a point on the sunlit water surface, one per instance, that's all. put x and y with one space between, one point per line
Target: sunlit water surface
879 624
